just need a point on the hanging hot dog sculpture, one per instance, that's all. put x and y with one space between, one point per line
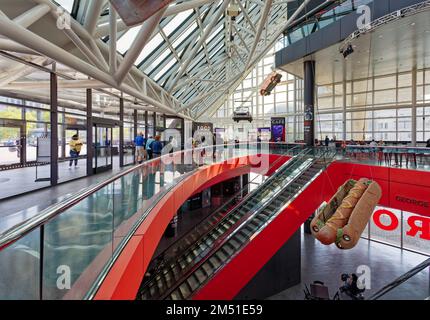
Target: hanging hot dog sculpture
344 218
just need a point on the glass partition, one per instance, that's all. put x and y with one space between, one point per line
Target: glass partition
70 252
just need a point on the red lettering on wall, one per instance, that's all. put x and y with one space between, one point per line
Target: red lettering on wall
423 227
377 220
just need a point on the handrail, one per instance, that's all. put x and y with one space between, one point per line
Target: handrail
25 227
400 280
204 219
258 230
234 229
248 196
386 147
91 293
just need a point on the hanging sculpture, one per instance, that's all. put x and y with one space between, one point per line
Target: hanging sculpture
344 218
134 12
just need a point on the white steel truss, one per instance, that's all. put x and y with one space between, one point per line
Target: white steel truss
183 60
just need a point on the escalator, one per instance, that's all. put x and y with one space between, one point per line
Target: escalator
210 221
181 276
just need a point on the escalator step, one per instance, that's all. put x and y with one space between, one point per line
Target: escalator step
182 264
193 282
207 268
201 275
259 218
176 295
214 260
262 217
169 279
227 224
247 232
221 255
184 289
209 239
197 251
144 295
174 268
232 220
241 237
234 243
202 246
228 248
254 223
153 290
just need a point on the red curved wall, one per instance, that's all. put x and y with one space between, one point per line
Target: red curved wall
125 276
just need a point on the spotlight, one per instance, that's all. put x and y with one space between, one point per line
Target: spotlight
233 10
349 50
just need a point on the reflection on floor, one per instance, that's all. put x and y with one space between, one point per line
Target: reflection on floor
21 208
327 263
23 179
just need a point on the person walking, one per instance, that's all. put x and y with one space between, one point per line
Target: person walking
157 146
149 147
75 149
140 144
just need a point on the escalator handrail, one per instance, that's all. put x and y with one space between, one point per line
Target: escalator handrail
204 220
207 257
19 230
394 284
91 293
247 197
228 234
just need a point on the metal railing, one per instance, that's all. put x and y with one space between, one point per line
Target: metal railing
402 279
84 234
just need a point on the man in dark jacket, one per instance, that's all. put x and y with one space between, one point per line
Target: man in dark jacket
157 146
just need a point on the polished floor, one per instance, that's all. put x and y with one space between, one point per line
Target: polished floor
386 263
22 180
21 208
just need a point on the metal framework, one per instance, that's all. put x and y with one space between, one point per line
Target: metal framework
396 15
184 60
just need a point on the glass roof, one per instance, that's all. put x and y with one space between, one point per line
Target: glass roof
166 56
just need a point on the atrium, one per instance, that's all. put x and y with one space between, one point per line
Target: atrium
214 150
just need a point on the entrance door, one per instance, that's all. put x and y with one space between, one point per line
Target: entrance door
102 143
12 140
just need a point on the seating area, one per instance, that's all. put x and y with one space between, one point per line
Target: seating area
391 155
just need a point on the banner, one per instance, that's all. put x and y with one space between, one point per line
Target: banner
278 129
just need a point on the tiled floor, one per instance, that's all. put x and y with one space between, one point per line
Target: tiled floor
386 263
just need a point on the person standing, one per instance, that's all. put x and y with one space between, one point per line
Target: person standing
149 147
75 149
326 141
140 144
157 146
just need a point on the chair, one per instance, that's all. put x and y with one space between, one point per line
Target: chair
319 291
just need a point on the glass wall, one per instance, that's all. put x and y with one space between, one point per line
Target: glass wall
285 100
396 231
379 107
